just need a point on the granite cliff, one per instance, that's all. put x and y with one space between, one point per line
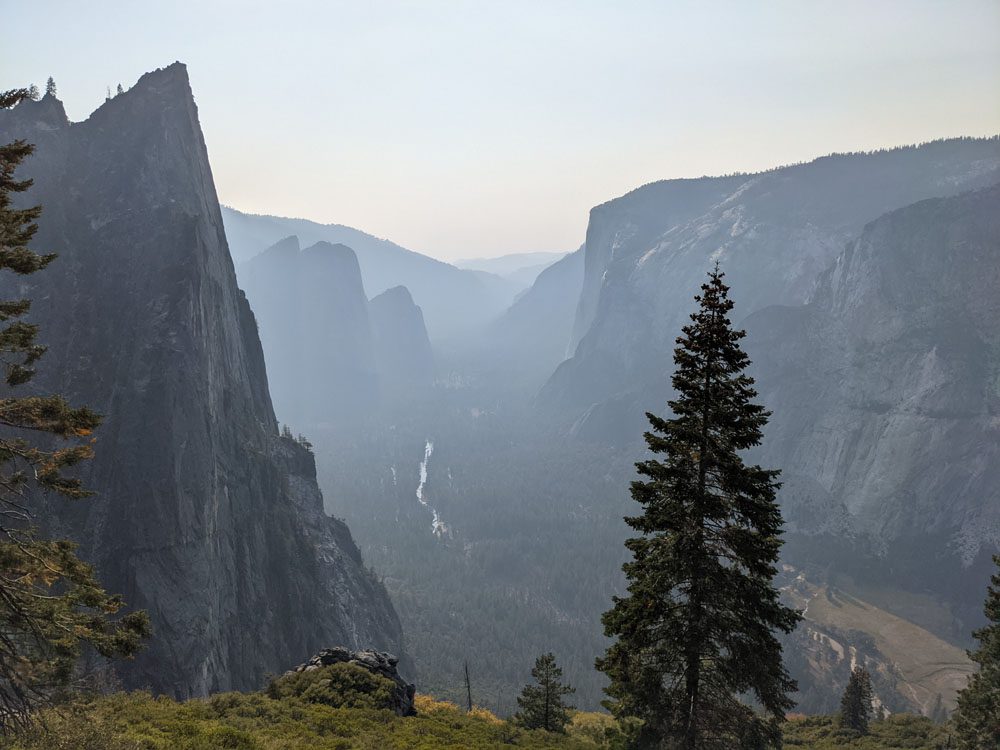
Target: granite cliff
203 514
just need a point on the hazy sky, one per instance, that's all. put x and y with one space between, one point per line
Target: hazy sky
480 128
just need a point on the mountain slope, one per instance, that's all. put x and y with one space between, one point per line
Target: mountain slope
886 395
533 334
203 515
774 233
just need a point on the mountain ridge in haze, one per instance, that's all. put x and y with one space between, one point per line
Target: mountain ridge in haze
455 302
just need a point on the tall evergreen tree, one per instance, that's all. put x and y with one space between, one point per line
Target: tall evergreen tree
541 705
50 87
51 605
696 632
977 719
856 703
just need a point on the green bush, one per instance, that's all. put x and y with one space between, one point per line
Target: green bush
338 686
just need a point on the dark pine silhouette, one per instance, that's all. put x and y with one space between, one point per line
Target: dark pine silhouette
977 719
541 706
856 703
696 632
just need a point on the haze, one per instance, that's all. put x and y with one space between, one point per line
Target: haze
475 129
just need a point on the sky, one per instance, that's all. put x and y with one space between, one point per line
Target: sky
475 129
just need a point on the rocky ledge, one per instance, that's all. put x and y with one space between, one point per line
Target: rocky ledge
376 662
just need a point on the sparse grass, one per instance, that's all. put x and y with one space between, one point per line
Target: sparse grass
343 709
238 721
929 665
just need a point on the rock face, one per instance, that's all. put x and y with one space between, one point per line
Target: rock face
376 662
203 515
315 330
886 391
402 349
774 233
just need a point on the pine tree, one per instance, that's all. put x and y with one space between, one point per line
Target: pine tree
468 689
697 629
977 719
541 705
856 703
51 605
33 93
119 91
50 87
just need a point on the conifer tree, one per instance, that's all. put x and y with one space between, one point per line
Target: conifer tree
938 714
541 705
50 87
696 632
856 703
51 605
33 93
119 91
977 719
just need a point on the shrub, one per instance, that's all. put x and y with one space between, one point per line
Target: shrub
338 685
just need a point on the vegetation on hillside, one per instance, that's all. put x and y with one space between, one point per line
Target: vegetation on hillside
256 721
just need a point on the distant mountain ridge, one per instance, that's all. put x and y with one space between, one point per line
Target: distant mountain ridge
454 301
520 268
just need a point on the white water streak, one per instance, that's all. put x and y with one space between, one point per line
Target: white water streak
438 527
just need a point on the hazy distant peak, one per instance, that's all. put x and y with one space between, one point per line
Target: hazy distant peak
510 263
286 248
329 249
397 296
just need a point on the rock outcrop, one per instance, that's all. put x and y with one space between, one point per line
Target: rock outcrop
380 663
203 515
